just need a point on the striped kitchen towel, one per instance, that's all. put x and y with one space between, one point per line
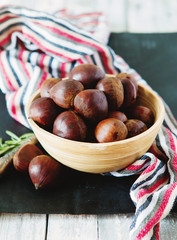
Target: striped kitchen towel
35 45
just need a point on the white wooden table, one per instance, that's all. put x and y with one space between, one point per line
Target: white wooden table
123 16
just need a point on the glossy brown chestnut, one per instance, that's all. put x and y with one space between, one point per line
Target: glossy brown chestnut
130 77
110 130
92 104
44 171
43 110
64 92
142 113
118 115
70 125
135 127
87 74
130 92
47 85
24 155
113 90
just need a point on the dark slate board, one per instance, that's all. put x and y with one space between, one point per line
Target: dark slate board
154 57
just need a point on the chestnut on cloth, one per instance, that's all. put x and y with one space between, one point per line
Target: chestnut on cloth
36 45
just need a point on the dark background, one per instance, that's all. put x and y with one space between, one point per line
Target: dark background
154 56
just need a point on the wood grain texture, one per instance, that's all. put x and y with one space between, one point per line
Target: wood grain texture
22 227
75 227
115 12
101 227
114 227
80 6
152 16
72 227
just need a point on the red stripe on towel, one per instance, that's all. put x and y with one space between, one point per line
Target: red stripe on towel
156 185
159 213
11 87
46 49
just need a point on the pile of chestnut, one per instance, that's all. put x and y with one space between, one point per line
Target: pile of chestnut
44 171
91 106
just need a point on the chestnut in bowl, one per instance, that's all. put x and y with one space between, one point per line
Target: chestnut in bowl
118 115
135 127
110 130
92 104
64 92
123 76
102 157
87 74
43 110
142 113
113 90
47 85
130 93
70 125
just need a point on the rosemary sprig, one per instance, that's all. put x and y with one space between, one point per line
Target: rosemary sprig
12 135
14 142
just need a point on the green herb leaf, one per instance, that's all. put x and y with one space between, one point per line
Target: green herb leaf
13 135
5 150
12 142
15 141
26 135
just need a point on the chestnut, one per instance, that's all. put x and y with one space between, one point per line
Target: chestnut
113 90
118 115
44 171
47 85
110 130
24 155
130 88
87 74
123 76
92 104
43 110
135 127
130 93
142 113
70 125
64 92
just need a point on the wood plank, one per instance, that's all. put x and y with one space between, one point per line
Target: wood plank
76 227
49 5
28 4
113 227
72 227
115 12
22 226
102 227
46 6
80 6
152 16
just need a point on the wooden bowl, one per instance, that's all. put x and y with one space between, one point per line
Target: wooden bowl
102 157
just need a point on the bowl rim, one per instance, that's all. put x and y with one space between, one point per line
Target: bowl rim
157 122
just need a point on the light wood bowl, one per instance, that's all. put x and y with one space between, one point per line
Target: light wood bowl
102 157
